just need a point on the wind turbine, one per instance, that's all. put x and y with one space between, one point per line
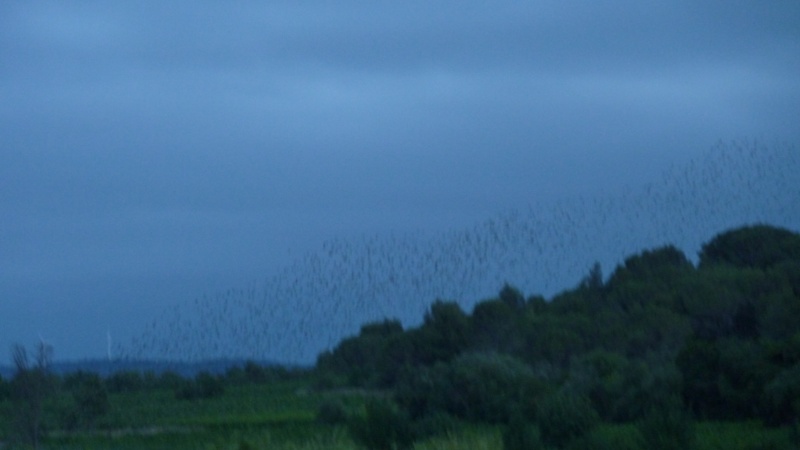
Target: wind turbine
44 353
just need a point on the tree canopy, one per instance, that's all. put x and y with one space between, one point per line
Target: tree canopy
719 340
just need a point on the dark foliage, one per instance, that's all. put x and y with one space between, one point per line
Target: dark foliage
125 382
332 412
563 417
660 344
372 359
479 387
520 434
621 390
445 333
512 297
255 373
89 399
757 246
33 384
668 427
203 386
384 427
5 389
721 340
493 326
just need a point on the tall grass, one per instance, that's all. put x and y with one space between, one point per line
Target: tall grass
473 438
740 436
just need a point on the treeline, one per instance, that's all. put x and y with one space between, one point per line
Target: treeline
660 338
37 399
661 343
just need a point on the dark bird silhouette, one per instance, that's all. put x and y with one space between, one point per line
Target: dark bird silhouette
323 296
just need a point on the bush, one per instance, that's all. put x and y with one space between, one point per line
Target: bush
667 428
209 385
203 386
166 380
486 386
481 387
434 424
5 389
331 412
91 400
385 427
522 435
563 417
604 378
783 396
639 388
124 382
625 437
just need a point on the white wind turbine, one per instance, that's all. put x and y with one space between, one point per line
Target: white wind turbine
44 353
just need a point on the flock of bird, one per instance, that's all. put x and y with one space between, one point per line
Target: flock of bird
311 304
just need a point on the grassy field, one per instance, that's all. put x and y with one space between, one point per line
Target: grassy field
275 415
282 415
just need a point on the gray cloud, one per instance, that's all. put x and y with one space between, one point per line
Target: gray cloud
150 139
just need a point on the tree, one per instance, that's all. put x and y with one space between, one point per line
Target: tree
494 327
556 338
659 267
648 278
667 427
512 297
520 434
594 280
31 386
563 417
699 363
90 398
444 333
783 397
757 246
129 381
370 359
384 427
203 386
480 387
601 377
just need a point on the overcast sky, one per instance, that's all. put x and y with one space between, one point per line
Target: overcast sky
153 152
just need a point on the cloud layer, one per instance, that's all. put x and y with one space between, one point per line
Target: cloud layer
193 140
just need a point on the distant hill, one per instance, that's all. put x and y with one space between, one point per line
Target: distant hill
105 368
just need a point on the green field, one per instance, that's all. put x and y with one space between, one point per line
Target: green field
262 415
276 415
282 415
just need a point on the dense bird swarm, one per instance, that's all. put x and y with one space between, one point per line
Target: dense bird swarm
316 300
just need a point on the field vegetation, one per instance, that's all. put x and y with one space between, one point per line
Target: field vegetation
662 354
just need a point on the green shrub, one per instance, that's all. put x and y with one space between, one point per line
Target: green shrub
434 424
522 435
124 382
616 437
667 428
91 400
5 389
479 387
485 386
203 386
209 385
563 417
783 396
384 427
331 412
